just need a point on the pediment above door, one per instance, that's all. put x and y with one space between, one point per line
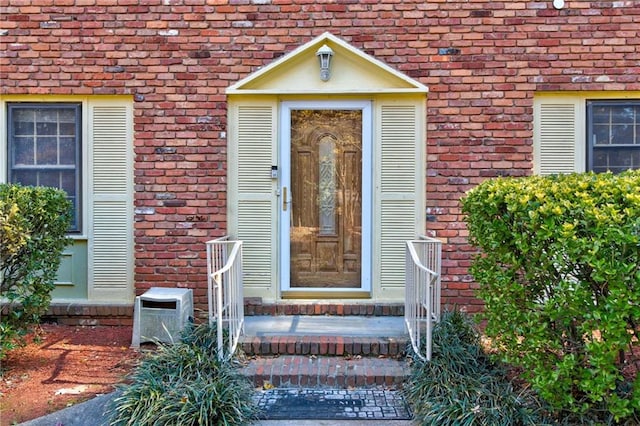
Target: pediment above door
352 72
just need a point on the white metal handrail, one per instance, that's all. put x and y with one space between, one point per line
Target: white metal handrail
422 292
224 292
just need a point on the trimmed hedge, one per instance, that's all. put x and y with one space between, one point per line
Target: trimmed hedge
559 274
33 226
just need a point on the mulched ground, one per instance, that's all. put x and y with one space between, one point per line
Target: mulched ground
64 365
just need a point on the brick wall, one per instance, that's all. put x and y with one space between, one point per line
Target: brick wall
482 61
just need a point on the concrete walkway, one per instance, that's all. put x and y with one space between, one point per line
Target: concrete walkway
336 423
91 413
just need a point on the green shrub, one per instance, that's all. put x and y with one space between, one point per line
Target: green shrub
461 385
559 274
185 384
33 226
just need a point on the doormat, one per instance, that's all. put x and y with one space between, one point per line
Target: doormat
331 404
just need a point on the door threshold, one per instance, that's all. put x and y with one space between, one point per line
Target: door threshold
314 294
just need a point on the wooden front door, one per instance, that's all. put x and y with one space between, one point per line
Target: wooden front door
325 204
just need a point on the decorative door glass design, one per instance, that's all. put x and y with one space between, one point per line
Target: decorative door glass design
326 198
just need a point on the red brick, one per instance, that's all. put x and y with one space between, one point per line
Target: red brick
480 100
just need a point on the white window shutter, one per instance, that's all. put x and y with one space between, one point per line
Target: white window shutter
254 220
555 135
110 171
400 187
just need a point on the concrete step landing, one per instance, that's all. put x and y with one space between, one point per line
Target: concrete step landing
324 335
305 325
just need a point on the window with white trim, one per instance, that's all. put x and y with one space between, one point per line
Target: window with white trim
591 131
83 145
44 147
613 131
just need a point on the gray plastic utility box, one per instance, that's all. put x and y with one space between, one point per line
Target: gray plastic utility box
160 315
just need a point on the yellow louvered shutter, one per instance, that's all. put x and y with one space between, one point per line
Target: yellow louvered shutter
401 190
555 135
110 200
252 188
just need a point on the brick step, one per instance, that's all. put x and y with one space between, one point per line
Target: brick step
255 306
324 345
319 371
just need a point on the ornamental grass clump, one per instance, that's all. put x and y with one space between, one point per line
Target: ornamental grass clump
559 272
462 386
185 384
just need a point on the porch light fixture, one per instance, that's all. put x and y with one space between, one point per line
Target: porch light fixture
324 54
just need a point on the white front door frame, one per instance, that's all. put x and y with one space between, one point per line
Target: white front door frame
285 182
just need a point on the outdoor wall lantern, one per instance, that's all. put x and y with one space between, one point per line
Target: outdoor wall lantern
324 54
558 4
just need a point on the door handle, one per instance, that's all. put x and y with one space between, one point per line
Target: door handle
284 199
